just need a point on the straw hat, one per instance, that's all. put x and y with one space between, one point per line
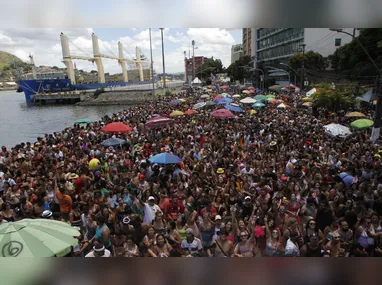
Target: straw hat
273 143
71 176
220 170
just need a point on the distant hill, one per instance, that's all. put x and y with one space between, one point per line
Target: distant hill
6 59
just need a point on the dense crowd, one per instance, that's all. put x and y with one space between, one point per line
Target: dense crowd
266 185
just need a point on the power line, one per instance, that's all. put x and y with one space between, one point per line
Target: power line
313 44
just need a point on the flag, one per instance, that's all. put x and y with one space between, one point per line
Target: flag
213 79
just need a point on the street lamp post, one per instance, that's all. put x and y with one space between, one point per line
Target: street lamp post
253 69
152 64
303 68
295 72
193 59
378 112
164 70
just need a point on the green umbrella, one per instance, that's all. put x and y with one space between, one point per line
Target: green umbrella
362 123
260 97
37 238
271 96
83 121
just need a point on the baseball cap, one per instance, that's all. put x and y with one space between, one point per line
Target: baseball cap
189 231
151 198
218 217
247 198
141 176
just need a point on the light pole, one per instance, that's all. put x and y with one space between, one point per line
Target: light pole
253 69
152 63
164 70
303 68
185 67
193 60
295 72
378 111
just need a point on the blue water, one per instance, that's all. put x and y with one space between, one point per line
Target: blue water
22 123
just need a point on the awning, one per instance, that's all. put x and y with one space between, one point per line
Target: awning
368 96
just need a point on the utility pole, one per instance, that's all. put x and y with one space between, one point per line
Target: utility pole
152 64
303 68
185 66
193 59
164 70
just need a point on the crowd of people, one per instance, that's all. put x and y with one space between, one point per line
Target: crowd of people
271 184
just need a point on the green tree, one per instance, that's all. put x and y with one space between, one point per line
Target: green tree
351 60
211 65
239 69
312 60
333 99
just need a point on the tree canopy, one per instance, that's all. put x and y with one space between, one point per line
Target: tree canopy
211 65
312 60
236 71
333 100
351 59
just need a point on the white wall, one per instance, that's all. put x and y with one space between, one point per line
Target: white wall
322 40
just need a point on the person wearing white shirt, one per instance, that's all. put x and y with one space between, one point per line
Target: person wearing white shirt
149 210
292 248
99 250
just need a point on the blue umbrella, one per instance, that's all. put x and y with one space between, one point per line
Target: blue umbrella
113 142
224 100
174 102
258 104
233 108
346 178
165 158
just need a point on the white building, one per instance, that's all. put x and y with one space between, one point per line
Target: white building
236 52
278 44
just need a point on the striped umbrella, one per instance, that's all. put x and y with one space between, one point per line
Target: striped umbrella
355 114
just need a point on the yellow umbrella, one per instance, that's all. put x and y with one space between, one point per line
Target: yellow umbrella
236 96
306 99
176 113
182 100
355 114
209 90
252 112
307 104
246 92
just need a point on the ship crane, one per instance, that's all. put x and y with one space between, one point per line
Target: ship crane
97 58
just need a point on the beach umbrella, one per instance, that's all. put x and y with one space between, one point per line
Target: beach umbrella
283 106
246 92
222 113
233 107
307 104
217 97
83 121
116 127
362 124
199 105
236 96
307 99
225 95
176 113
174 102
258 105
113 142
252 112
252 91
37 238
251 88
260 97
190 112
210 90
337 130
224 100
275 87
205 96
270 96
355 114
165 158
158 122
248 100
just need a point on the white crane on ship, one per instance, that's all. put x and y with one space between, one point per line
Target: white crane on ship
97 58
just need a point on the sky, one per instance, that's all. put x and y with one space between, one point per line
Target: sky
45 45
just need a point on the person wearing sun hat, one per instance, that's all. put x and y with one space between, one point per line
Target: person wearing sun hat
220 171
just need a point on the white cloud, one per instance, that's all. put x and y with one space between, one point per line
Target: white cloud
45 45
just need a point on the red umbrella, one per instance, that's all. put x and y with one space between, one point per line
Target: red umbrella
217 97
190 112
158 122
222 113
116 127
